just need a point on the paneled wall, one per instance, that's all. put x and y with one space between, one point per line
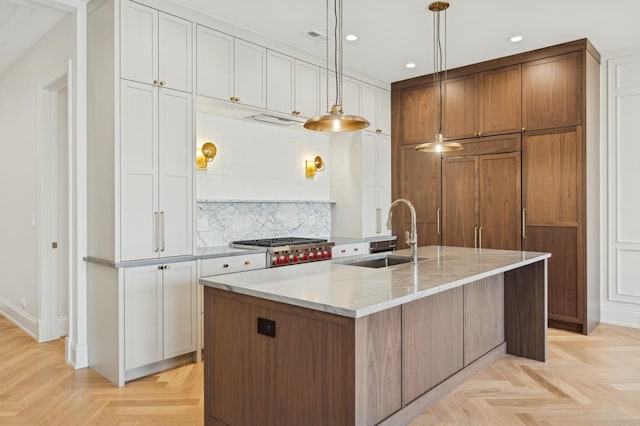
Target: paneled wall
621 301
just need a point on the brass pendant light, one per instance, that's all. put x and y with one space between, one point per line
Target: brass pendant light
335 120
439 143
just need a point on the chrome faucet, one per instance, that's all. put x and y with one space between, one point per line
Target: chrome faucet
412 239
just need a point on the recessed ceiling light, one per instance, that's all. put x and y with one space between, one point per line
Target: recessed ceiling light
351 37
410 65
516 39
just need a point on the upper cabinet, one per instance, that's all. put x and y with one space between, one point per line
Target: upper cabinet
155 47
483 104
376 107
417 121
351 89
293 86
552 92
230 69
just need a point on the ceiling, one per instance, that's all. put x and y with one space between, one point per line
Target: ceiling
391 33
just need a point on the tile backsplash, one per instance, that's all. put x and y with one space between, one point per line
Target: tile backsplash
227 221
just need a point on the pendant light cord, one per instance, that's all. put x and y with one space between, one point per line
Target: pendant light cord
337 11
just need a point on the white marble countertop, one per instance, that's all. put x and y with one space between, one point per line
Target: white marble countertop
354 291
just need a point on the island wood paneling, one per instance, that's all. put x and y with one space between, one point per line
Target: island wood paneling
483 317
525 311
378 366
432 342
302 376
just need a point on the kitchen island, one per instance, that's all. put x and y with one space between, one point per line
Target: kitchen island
334 343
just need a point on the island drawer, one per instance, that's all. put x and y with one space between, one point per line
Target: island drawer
354 249
227 265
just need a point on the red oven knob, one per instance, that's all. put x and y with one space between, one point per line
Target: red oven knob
280 260
325 254
285 259
295 258
329 254
304 256
317 255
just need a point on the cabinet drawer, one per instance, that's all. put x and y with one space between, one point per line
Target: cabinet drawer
227 265
345 250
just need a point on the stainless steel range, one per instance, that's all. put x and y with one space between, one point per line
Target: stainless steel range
290 250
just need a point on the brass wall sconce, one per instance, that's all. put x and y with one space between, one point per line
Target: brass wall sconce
205 155
313 166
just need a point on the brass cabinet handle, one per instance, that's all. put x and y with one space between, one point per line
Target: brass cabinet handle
479 133
524 223
480 237
524 128
475 237
226 265
162 229
378 130
378 221
237 99
160 267
232 99
162 82
247 262
155 234
438 220
343 251
156 82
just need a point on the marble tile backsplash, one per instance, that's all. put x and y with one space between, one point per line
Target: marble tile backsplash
227 221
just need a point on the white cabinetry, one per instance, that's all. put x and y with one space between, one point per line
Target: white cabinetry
360 183
351 249
156 47
156 172
159 313
292 86
350 93
376 107
230 69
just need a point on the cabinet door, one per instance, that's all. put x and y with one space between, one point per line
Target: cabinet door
280 69
350 93
139 171
383 199
418 111
369 105
499 203
461 107
175 173
214 64
384 111
250 74
419 183
459 201
500 101
369 188
180 310
174 55
552 92
142 316
307 89
552 195
139 43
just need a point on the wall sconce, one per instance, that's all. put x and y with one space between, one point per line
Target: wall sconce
313 166
205 155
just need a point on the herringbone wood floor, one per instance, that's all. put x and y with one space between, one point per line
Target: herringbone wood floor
592 380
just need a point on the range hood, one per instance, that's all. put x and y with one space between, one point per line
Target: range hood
272 119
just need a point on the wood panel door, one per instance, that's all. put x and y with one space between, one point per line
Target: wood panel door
499 201
460 201
500 101
553 199
418 106
420 184
552 92
461 107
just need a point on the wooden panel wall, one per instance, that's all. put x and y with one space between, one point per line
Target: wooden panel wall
483 317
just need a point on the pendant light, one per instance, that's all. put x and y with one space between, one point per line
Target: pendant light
335 120
439 76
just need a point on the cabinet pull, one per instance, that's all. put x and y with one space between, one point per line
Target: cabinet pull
524 223
355 249
226 265
155 81
378 130
247 262
438 220
480 237
162 229
475 237
160 267
155 233
343 251
162 82
237 99
378 221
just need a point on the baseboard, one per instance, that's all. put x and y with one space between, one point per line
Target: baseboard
26 322
77 356
617 316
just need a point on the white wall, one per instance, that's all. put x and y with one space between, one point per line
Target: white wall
260 162
621 292
20 88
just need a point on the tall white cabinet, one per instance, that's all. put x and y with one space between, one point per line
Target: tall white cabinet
140 184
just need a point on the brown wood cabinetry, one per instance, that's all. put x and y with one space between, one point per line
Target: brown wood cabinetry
418 122
552 92
549 98
419 183
481 201
483 317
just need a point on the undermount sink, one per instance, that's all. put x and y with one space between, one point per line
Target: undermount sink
382 261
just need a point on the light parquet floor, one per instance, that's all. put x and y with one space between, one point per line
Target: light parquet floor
592 380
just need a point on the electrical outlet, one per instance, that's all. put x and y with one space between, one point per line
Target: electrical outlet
24 302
